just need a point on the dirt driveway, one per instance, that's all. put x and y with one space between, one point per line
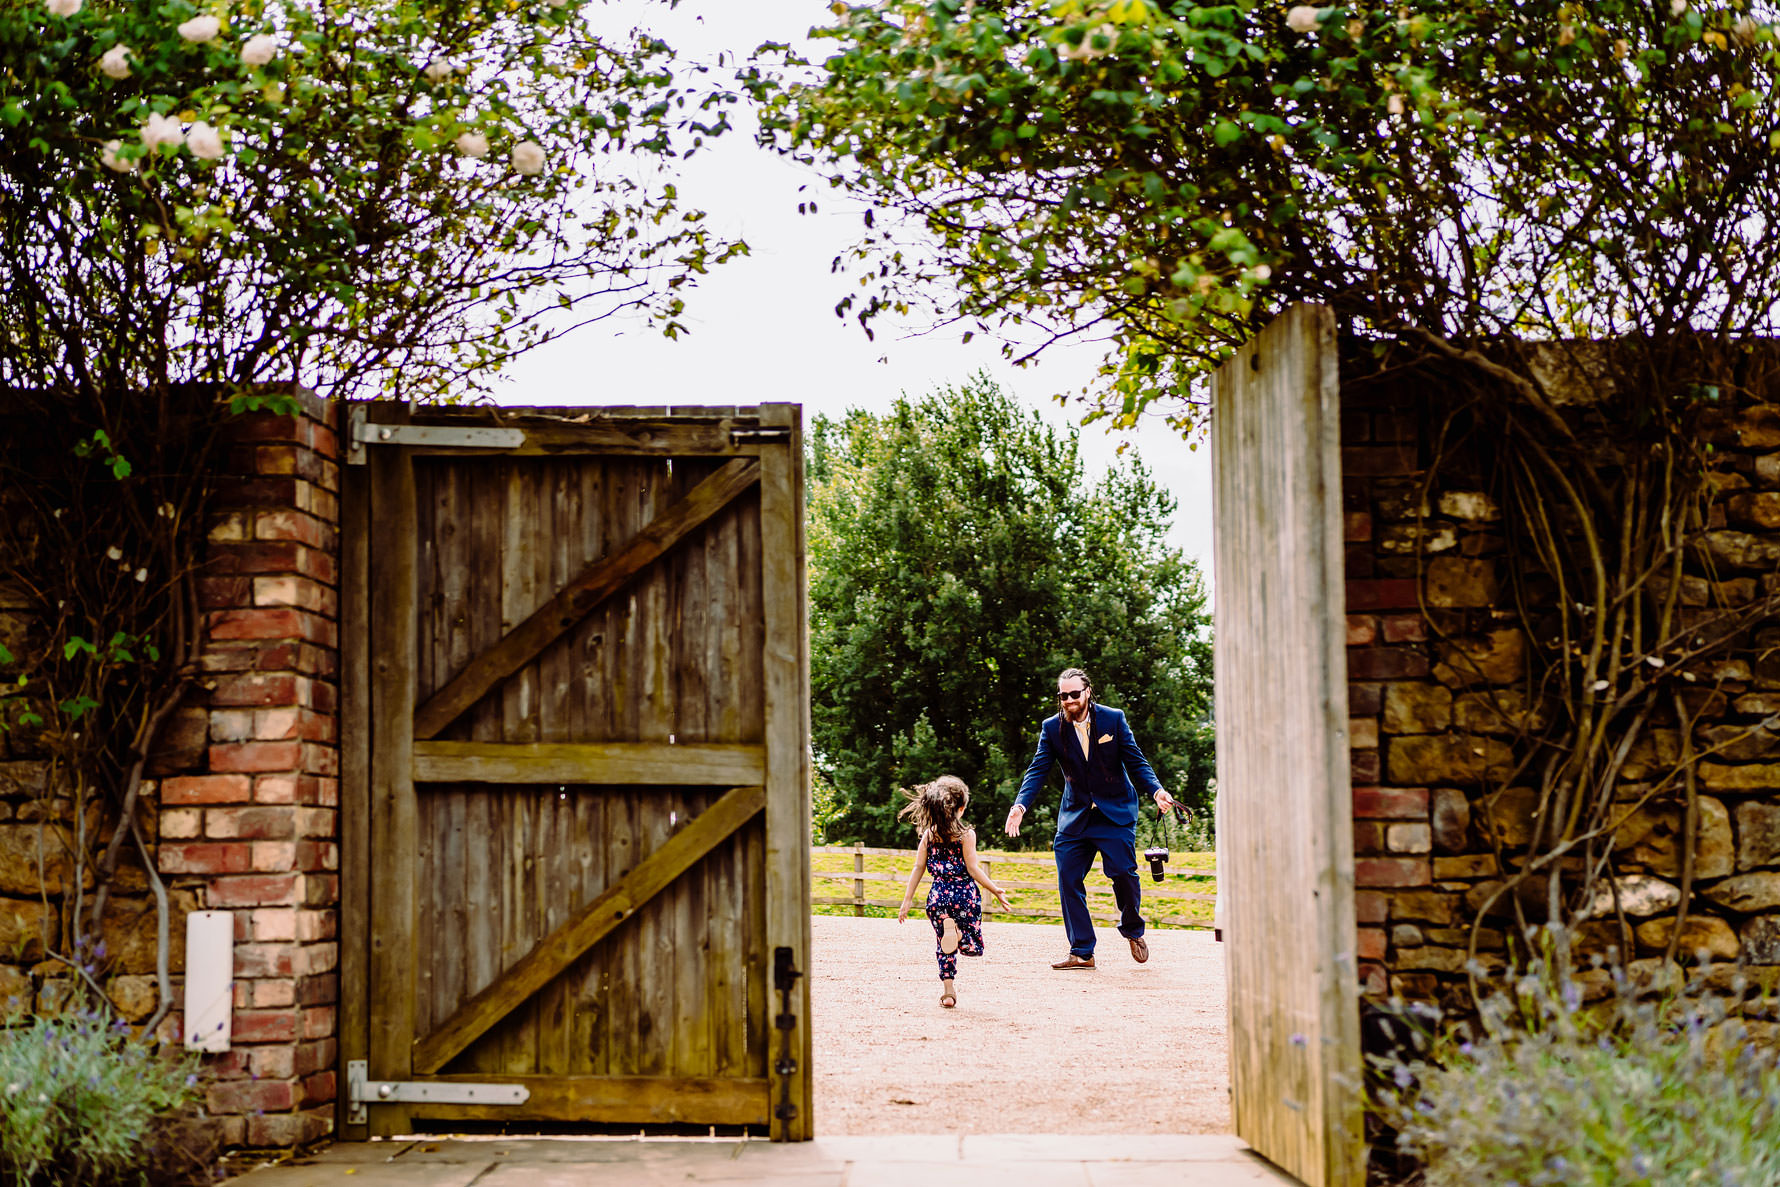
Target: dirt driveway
1125 1048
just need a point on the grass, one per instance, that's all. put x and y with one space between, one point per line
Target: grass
1191 872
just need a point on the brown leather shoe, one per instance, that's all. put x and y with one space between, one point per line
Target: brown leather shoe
1075 962
1140 951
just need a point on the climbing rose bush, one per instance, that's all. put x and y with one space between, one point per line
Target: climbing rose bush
384 196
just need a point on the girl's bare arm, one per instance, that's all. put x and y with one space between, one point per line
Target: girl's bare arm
908 892
976 871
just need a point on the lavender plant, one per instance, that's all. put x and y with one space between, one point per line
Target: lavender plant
1632 1090
80 1103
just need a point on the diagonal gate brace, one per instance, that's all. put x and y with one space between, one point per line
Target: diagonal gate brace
562 947
582 595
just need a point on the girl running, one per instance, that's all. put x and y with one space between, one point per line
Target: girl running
948 851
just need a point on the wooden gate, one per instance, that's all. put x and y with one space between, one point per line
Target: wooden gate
574 769
1285 839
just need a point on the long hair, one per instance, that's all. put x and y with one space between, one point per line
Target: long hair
935 806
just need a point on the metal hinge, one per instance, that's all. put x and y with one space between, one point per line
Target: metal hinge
360 433
361 1092
785 975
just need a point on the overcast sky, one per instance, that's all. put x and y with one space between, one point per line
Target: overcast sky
763 327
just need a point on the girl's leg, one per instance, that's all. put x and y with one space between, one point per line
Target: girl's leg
970 924
939 913
948 996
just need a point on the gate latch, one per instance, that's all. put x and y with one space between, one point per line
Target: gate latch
361 1092
785 975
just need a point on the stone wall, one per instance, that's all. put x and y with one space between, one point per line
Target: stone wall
246 786
1435 705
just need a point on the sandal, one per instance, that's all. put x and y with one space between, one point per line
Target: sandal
949 936
948 1000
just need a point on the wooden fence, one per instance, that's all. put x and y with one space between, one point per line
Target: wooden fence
1102 910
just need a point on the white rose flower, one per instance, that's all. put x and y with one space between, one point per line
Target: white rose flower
1301 18
200 28
472 144
528 157
114 553
109 158
558 3
1394 105
161 130
259 50
115 63
1677 7
62 7
1261 271
204 141
439 69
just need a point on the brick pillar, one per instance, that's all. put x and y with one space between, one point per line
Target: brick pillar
252 823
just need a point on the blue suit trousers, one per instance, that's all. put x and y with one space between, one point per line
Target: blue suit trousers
1117 846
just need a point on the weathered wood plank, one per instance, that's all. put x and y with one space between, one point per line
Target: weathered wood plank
786 707
613 438
617 1100
355 775
708 764
575 600
588 926
393 815
1285 854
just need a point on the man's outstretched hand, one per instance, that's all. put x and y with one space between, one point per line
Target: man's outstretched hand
1013 820
1164 803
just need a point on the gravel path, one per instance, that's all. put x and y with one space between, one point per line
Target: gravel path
1124 1048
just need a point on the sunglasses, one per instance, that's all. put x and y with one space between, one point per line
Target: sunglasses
1072 696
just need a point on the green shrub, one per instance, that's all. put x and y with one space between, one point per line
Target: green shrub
82 1102
1628 1090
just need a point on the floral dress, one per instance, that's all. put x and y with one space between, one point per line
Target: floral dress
953 892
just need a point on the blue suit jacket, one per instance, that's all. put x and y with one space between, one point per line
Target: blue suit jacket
1107 777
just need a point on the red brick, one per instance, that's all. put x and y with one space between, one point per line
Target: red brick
318 564
266 960
265 426
319 1088
316 1055
1363 766
316 855
221 593
1371 907
322 696
1365 700
320 989
317 925
265 924
247 1096
283 1131
1386 663
1361 630
1374 981
255 690
206 789
181 824
279 724
1391 871
255 756
1372 943
274 993
327 442
277 789
260 491
291 524
1368 837
1382 593
1356 525
321 890
317 822
1405 628
232 559
205 857
265 1026
318 727
231 725
274 856
319 1022
1391 803
252 824
320 760
303 593
260 622
320 958
257 890
275 1062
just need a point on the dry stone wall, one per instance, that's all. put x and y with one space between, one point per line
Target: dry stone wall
1436 658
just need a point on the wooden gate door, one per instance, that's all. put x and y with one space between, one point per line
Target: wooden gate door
575 774
1285 839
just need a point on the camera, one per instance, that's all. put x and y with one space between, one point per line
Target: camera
1157 857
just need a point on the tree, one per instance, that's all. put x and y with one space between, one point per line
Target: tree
1168 174
202 205
959 559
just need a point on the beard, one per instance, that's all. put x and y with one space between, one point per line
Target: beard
1075 710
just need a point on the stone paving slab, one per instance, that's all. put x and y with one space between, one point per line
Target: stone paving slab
913 1160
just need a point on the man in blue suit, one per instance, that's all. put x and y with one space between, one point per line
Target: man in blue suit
1102 772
